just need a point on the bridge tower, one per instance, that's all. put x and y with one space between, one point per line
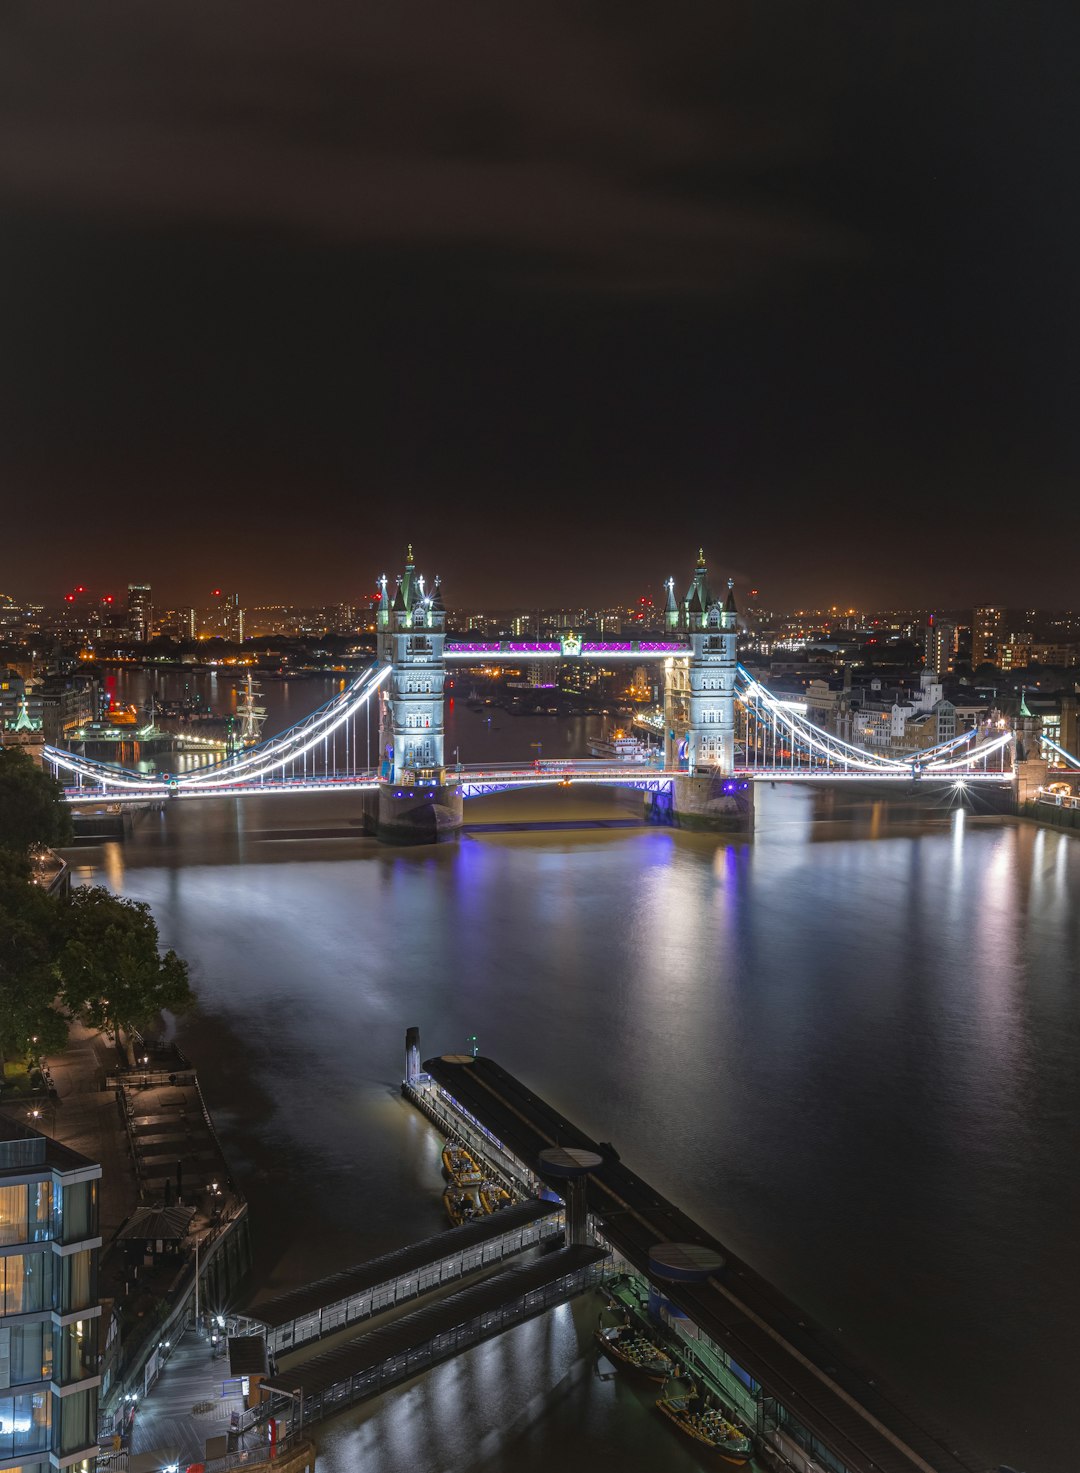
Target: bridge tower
699 694
413 804
411 632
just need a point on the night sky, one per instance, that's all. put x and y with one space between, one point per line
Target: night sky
557 292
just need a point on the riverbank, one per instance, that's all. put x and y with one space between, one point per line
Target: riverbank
166 1200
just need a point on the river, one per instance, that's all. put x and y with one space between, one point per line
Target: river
849 1047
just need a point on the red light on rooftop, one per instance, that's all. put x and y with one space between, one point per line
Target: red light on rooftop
80 589
69 598
215 593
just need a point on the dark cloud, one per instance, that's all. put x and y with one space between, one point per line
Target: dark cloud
287 284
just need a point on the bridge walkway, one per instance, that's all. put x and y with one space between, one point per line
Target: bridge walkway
799 1374
326 1306
383 1357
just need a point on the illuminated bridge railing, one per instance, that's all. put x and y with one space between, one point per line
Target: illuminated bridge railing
775 740
332 745
507 651
1059 751
478 783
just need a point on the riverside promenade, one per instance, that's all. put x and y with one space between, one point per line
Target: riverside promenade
168 1207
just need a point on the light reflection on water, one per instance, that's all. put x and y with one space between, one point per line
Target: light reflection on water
854 1059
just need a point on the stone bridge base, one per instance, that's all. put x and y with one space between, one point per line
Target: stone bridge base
423 814
706 802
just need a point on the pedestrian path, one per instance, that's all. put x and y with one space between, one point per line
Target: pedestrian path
185 1405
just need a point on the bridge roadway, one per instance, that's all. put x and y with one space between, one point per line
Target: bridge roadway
493 778
792 1359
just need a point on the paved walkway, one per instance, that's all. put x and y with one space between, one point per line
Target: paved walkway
185 1405
85 1117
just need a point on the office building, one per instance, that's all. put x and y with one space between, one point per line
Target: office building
49 1308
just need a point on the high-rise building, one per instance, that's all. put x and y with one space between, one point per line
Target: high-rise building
987 629
227 615
140 611
49 1308
940 645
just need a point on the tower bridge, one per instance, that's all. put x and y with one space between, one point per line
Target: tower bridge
723 731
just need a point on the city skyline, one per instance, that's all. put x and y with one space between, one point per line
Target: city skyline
580 293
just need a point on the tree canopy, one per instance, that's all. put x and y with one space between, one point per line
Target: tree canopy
31 934
32 807
112 973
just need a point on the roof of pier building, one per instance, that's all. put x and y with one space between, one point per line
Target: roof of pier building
868 1427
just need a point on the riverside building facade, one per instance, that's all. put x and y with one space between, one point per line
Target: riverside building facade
49 1307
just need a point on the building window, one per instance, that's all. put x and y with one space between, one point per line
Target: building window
78 1421
30 1352
24 1424
78 1212
78 1289
24 1283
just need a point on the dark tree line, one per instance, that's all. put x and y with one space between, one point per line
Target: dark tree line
93 956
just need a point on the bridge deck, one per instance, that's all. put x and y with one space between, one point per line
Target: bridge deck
791 1358
305 1314
372 1362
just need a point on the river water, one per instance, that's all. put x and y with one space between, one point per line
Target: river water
849 1048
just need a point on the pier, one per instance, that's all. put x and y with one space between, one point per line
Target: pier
586 1221
795 1388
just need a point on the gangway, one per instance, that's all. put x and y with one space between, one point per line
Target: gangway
327 1305
373 1362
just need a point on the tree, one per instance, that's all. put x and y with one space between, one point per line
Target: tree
30 938
111 970
32 807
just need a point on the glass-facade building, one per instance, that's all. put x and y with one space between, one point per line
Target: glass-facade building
49 1305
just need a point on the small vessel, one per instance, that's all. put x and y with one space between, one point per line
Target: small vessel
708 1427
462 1204
635 1352
462 1168
474 700
494 1196
621 748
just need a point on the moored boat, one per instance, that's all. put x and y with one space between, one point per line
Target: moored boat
622 748
460 1166
462 1204
634 1351
494 1196
709 1428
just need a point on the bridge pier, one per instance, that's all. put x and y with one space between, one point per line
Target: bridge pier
707 803
423 813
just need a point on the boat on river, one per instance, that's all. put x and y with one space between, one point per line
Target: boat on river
462 1204
494 1197
461 1166
635 1352
708 1427
622 748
